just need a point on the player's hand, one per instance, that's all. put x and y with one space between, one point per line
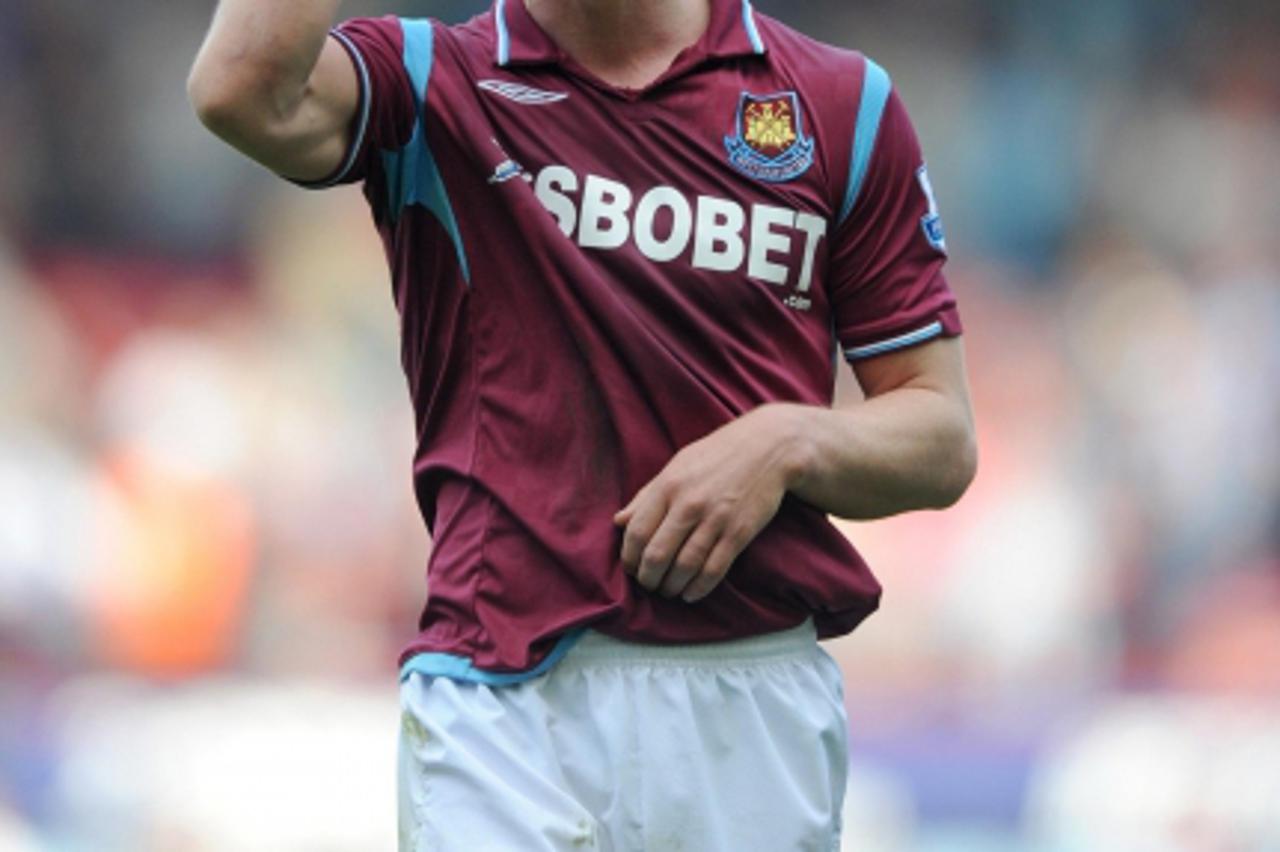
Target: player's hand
684 529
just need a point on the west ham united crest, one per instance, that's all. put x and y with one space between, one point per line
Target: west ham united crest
769 142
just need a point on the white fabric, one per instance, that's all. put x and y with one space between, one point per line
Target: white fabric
730 747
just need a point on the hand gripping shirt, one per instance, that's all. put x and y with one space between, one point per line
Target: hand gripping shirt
590 278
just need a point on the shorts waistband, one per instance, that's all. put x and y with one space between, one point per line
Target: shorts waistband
595 647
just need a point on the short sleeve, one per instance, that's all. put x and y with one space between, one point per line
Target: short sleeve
885 280
387 110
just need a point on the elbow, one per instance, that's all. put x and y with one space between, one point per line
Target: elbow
958 470
237 101
217 98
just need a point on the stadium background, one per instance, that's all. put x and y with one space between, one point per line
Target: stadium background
209 552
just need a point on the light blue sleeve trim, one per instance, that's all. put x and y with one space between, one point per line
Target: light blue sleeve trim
362 125
504 35
876 86
930 331
412 174
753 32
458 668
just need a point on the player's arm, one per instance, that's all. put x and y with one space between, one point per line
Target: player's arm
270 82
909 445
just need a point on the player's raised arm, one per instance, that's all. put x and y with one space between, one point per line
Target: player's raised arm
269 82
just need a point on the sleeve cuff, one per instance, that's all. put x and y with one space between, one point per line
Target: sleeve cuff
943 324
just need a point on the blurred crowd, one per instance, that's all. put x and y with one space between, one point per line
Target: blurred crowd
209 551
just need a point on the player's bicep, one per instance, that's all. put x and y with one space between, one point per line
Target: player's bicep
918 408
937 366
359 100
312 143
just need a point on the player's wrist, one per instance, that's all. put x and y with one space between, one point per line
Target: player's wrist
794 450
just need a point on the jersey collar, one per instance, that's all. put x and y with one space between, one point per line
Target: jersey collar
518 40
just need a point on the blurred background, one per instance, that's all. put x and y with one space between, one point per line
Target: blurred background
209 552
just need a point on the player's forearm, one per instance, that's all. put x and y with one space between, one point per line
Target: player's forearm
911 448
908 447
257 60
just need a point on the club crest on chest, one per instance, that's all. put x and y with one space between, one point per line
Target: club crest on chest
768 141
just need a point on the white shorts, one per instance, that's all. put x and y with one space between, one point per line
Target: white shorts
728 747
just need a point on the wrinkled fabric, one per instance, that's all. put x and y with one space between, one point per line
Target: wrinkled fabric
632 748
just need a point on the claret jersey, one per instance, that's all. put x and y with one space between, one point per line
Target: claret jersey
590 278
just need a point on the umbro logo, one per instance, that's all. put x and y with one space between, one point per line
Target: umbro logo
521 94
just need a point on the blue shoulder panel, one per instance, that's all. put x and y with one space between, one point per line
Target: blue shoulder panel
875 94
412 174
504 35
749 21
419 54
458 668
